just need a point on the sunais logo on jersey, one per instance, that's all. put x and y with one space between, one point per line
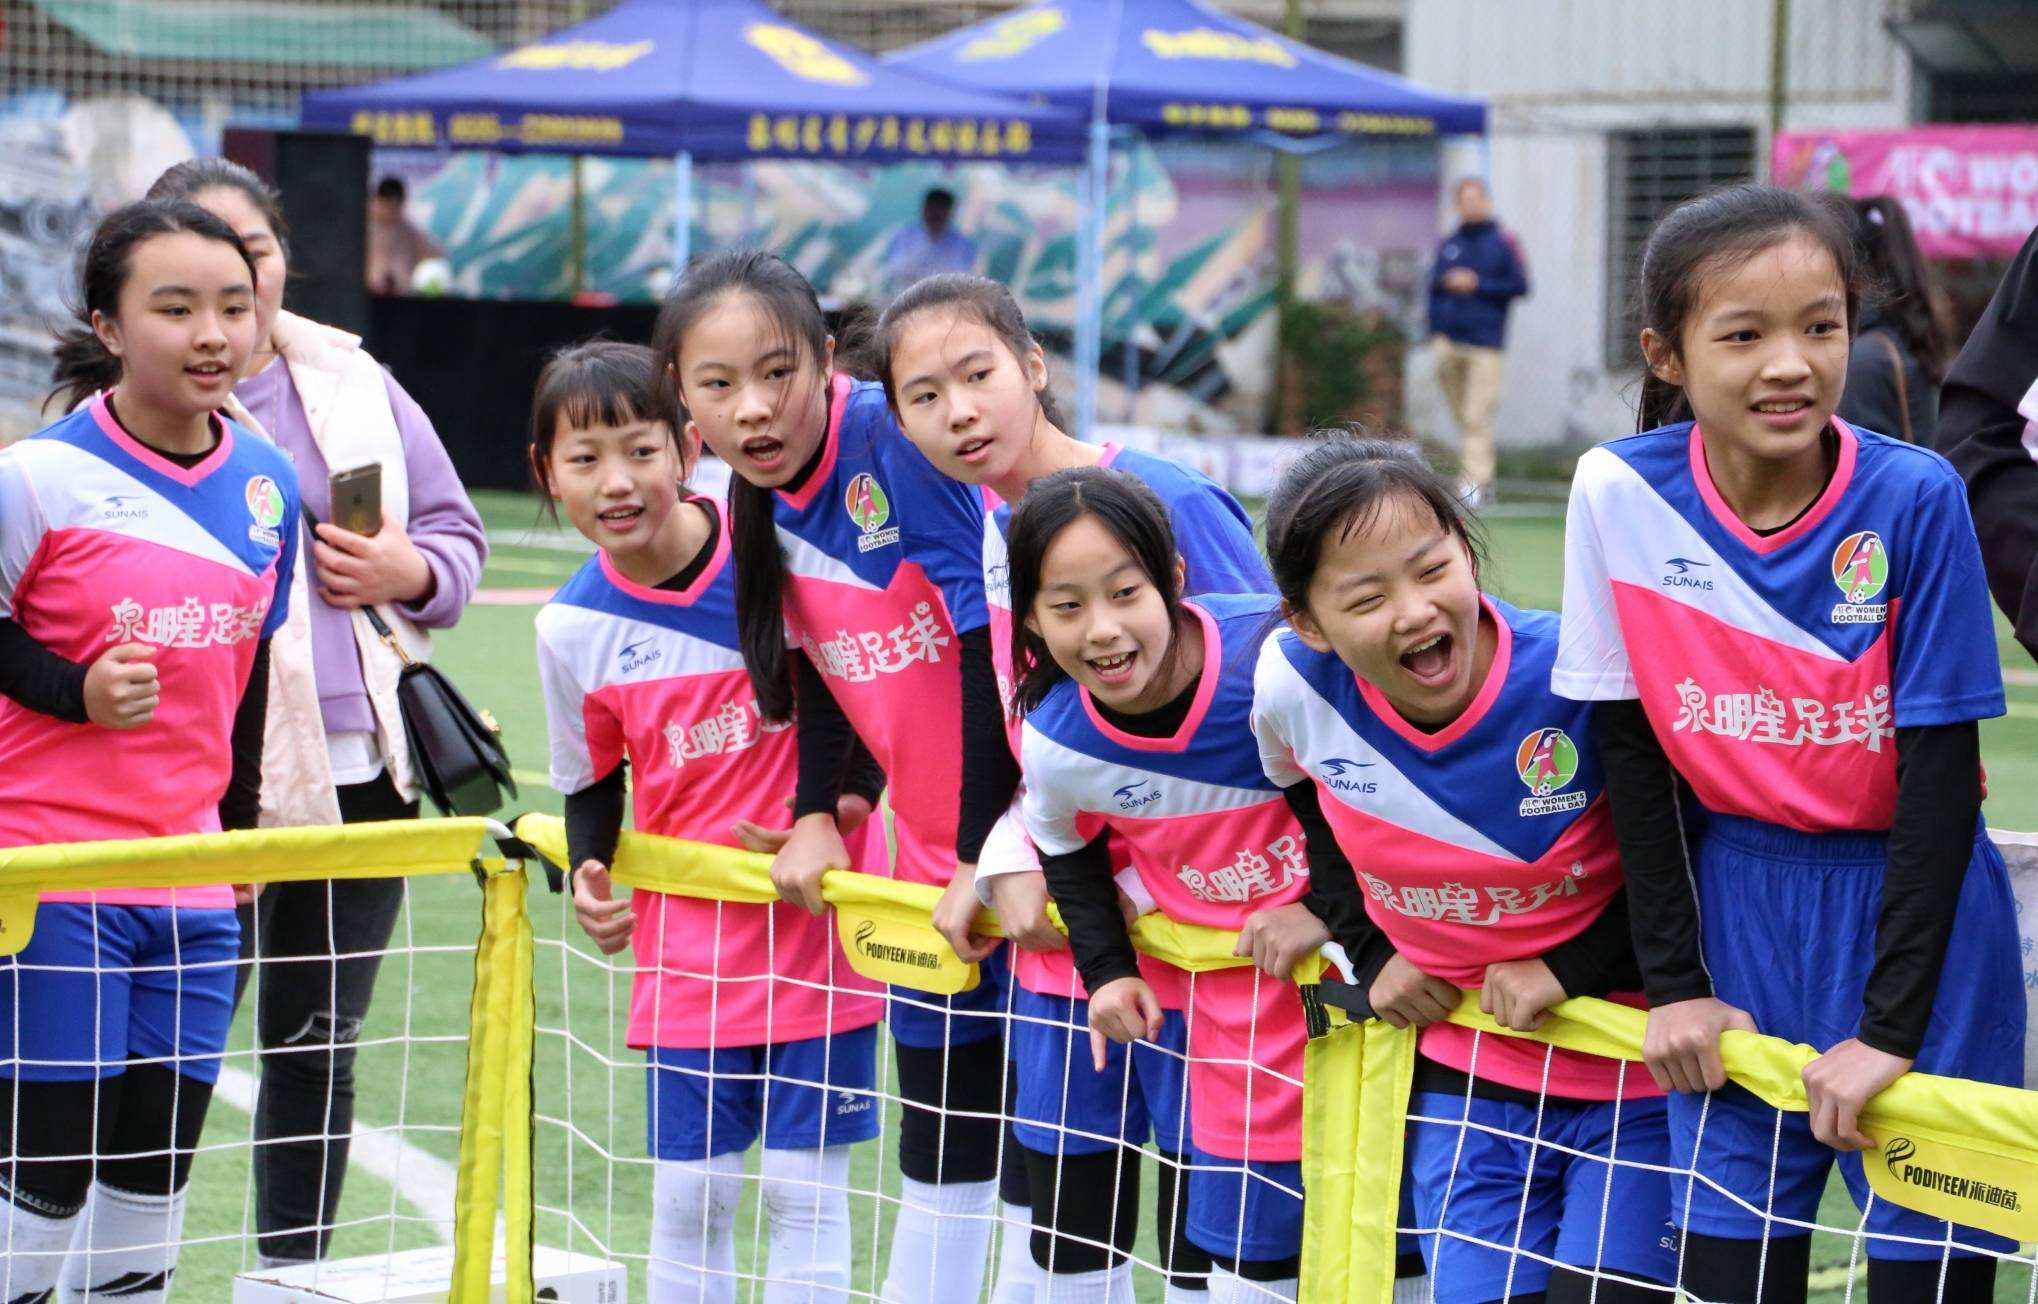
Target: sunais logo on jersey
802 55
1861 570
265 504
123 507
1684 573
1131 798
1342 775
1547 761
870 509
635 658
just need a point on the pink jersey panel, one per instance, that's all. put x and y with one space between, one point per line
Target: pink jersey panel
89 590
1452 911
1255 860
1246 1034
1809 741
894 663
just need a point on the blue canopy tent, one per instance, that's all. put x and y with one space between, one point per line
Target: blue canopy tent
1175 67
714 80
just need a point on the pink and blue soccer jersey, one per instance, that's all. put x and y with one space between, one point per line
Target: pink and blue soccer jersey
1488 840
103 542
1215 538
883 577
1213 841
1776 668
656 675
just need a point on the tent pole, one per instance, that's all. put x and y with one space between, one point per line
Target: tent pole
682 213
749 201
1090 273
1132 162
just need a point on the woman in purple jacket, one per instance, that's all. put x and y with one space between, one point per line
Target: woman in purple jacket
336 751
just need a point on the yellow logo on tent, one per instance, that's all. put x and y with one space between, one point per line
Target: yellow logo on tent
1013 35
1208 43
576 56
802 55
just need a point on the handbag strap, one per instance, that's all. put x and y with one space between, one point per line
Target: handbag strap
375 620
1903 390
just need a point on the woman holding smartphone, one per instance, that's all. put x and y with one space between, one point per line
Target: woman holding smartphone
367 458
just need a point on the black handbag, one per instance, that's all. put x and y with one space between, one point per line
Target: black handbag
456 751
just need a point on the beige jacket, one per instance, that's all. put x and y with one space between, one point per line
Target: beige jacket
346 404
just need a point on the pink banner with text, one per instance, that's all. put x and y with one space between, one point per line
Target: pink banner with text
1971 192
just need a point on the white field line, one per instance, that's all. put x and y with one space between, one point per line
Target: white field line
424 1181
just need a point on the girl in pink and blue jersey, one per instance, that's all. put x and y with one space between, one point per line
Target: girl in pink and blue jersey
969 385
859 594
1136 706
146 546
754 1024
1409 719
1785 617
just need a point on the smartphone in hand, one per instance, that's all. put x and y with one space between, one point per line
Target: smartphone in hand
357 498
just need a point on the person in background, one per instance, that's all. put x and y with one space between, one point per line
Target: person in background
1479 272
1988 429
336 747
930 248
1898 354
396 245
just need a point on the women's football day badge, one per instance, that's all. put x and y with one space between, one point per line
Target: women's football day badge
1547 761
265 504
870 509
1861 570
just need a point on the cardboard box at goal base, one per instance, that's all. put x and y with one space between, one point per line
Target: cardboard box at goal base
425 1277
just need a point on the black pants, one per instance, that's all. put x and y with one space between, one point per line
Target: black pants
308 1015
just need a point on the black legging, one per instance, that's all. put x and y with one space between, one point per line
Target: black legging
308 1015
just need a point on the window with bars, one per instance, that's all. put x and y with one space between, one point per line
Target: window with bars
1648 174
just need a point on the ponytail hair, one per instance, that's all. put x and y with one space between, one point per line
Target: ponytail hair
83 366
1699 236
789 303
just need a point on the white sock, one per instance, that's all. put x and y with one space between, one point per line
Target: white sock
941 1241
1104 1286
1018 1277
1225 1288
1173 1294
693 1224
1412 1290
806 1201
32 1250
125 1247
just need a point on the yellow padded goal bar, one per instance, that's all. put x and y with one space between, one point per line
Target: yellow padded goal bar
496 1119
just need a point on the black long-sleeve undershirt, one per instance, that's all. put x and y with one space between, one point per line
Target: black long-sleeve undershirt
38 678
1645 797
1931 840
990 773
1081 884
240 807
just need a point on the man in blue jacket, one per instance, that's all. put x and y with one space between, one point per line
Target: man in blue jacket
1479 272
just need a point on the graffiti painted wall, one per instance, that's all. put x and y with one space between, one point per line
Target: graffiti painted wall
1190 247
62 163
1189 323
